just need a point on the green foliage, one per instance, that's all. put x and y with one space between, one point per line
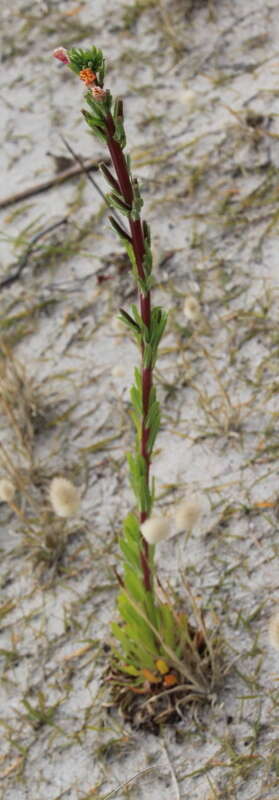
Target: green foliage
137 475
149 629
153 419
116 201
119 134
96 125
157 327
131 324
153 414
138 201
135 637
96 117
100 108
88 59
113 183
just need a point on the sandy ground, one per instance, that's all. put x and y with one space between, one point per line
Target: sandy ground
200 84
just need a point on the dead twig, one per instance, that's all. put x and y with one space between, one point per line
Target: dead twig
126 783
21 263
173 775
61 177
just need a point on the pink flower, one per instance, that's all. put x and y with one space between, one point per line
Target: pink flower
98 93
61 54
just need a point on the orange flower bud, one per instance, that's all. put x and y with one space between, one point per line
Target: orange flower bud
88 76
162 667
170 680
149 676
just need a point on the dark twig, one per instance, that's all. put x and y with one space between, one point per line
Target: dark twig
61 177
82 164
21 263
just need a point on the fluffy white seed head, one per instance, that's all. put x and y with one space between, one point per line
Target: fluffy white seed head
191 308
7 490
273 630
187 514
155 529
117 371
64 497
188 99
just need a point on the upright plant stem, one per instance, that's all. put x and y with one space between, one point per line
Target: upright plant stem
137 238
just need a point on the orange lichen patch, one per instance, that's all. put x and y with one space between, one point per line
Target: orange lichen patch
170 680
149 676
161 666
88 76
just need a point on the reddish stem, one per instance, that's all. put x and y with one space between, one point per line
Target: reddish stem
123 177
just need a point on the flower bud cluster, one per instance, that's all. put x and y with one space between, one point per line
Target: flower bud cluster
87 75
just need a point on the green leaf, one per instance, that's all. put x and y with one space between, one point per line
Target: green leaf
134 585
139 321
119 135
138 628
148 355
115 201
131 527
115 185
146 232
123 235
118 109
131 553
101 107
138 378
151 608
134 653
93 123
138 480
157 327
136 419
136 399
137 202
153 413
122 637
93 120
153 422
125 317
167 625
130 669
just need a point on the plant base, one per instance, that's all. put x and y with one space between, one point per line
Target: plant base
151 705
